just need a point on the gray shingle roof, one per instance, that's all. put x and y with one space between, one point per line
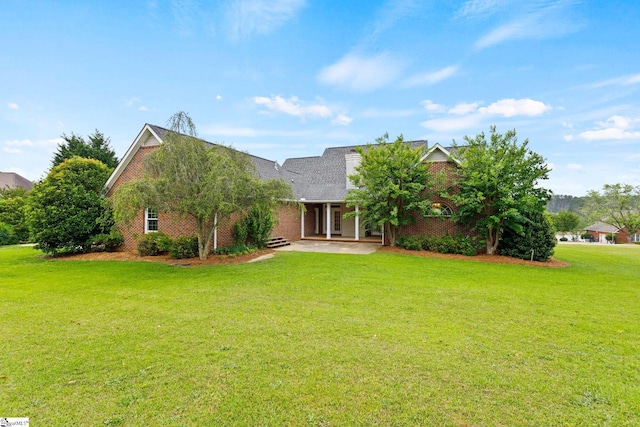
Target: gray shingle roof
318 178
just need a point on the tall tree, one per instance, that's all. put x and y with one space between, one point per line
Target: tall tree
193 179
497 181
66 209
617 205
97 147
391 182
13 204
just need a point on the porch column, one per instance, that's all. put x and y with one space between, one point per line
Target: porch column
328 221
302 222
357 224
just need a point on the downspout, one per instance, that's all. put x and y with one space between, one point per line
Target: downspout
302 222
215 232
357 223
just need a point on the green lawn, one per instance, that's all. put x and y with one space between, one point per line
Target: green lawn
322 339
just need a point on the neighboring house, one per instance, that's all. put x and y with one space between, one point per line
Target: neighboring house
319 183
600 230
13 180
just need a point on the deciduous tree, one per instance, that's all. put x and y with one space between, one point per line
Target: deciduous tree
617 205
496 182
391 185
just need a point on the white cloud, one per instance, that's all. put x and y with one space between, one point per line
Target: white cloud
515 107
248 17
375 113
466 115
533 20
132 101
362 74
627 80
218 97
568 138
19 143
18 146
464 108
431 106
342 120
478 8
224 130
143 108
13 106
293 106
614 128
574 166
432 77
452 124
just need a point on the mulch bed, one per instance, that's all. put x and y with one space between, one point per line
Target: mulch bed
495 259
227 260
165 259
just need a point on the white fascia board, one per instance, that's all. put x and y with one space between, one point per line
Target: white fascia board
442 149
133 149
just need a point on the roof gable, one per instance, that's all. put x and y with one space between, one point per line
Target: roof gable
149 135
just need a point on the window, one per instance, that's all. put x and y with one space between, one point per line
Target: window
635 237
440 209
150 220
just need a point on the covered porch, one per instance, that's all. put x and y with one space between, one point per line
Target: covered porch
324 220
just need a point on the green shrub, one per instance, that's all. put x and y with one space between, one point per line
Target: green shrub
239 232
184 247
444 244
153 244
107 242
255 228
587 236
241 249
412 243
563 239
64 208
537 236
7 235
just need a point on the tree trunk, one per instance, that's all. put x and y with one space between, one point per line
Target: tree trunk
391 233
492 241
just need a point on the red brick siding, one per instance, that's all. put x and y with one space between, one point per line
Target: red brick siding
287 222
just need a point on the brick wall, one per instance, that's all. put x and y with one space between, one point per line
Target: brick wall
288 222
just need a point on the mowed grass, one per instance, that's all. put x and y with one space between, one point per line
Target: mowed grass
322 339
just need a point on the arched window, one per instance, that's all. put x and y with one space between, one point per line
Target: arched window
440 209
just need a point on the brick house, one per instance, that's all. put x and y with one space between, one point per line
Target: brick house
320 184
600 230
12 180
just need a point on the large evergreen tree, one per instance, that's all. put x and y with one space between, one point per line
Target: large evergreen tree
97 147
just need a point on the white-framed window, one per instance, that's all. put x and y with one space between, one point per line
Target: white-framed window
635 237
440 209
150 220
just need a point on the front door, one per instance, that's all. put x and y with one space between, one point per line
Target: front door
336 221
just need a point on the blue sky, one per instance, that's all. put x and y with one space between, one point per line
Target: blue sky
288 78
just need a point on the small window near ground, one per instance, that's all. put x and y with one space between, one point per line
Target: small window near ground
150 220
440 209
